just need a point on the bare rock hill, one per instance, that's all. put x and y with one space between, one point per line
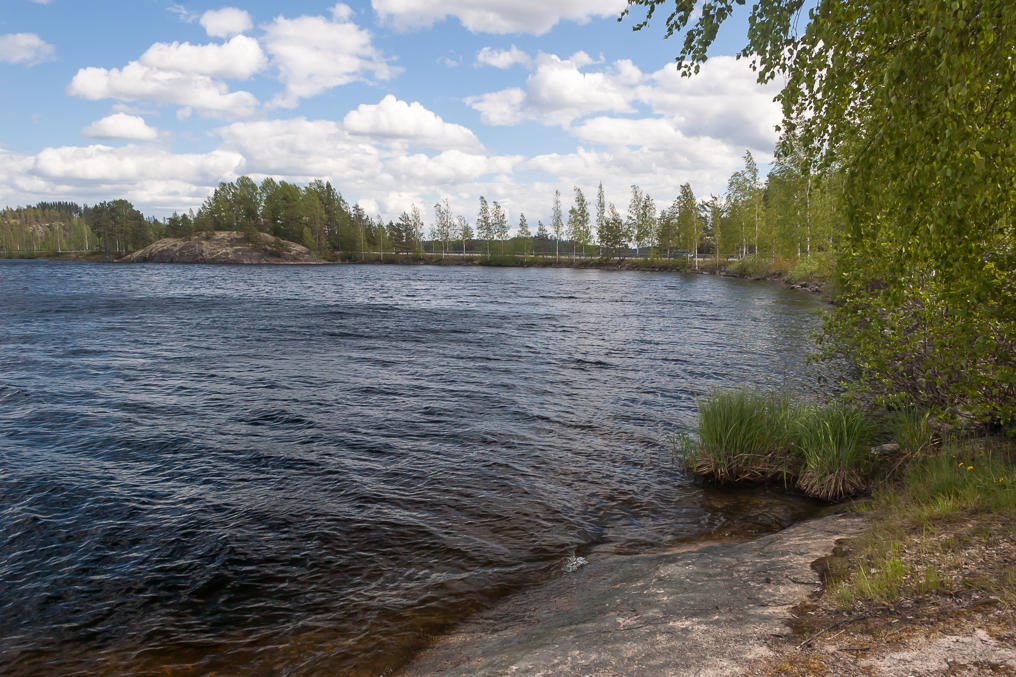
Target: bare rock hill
223 247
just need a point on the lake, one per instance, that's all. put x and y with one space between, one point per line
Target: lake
312 470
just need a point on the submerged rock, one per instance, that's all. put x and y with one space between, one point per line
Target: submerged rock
223 247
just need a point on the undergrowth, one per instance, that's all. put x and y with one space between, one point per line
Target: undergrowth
945 524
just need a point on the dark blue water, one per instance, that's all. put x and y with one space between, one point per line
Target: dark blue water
310 470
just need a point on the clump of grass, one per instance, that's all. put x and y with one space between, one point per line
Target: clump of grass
740 437
913 431
834 443
963 477
746 436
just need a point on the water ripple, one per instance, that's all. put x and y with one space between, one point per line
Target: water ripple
274 470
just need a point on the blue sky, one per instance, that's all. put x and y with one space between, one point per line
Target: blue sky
394 101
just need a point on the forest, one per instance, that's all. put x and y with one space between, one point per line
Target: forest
786 219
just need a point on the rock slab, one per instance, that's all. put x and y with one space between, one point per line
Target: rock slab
706 611
223 247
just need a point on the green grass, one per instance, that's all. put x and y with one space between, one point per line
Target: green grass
834 442
741 435
913 431
943 510
747 436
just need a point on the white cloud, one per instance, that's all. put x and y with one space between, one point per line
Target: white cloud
136 82
239 58
27 48
449 167
315 53
301 148
130 164
411 123
557 92
185 14
121 126
495 16
41 2
723 101
221 23
502 58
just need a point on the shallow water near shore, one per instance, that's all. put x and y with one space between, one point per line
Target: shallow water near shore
311 470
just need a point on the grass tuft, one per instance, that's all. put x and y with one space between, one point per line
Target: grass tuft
913 431
834 443
740 437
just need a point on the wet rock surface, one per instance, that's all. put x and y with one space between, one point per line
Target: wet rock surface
706 610
223 247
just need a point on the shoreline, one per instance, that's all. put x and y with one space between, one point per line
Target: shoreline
819 287
709 607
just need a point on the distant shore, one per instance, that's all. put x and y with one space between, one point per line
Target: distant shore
705 267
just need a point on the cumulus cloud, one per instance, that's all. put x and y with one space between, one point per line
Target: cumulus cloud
411 123
133 163
502 58
315 53
724 101
301 148
221 23
239 58
558 91
494 16
449 167
26 48
121 126
137 82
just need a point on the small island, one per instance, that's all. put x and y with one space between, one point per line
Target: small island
229 246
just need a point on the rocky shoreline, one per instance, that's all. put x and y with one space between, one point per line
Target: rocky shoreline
710 608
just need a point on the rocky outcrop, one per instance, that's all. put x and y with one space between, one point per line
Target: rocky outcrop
707 611
223 247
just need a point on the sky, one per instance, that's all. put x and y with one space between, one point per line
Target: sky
396 102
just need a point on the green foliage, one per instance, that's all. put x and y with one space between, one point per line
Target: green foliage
751 267
45 227
913 106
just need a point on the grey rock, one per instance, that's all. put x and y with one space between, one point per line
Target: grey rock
703 611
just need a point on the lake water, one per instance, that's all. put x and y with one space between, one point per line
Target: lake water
311 470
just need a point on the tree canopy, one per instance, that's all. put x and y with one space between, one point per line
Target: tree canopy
915 104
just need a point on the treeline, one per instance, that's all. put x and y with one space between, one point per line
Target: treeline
780 220
114 228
